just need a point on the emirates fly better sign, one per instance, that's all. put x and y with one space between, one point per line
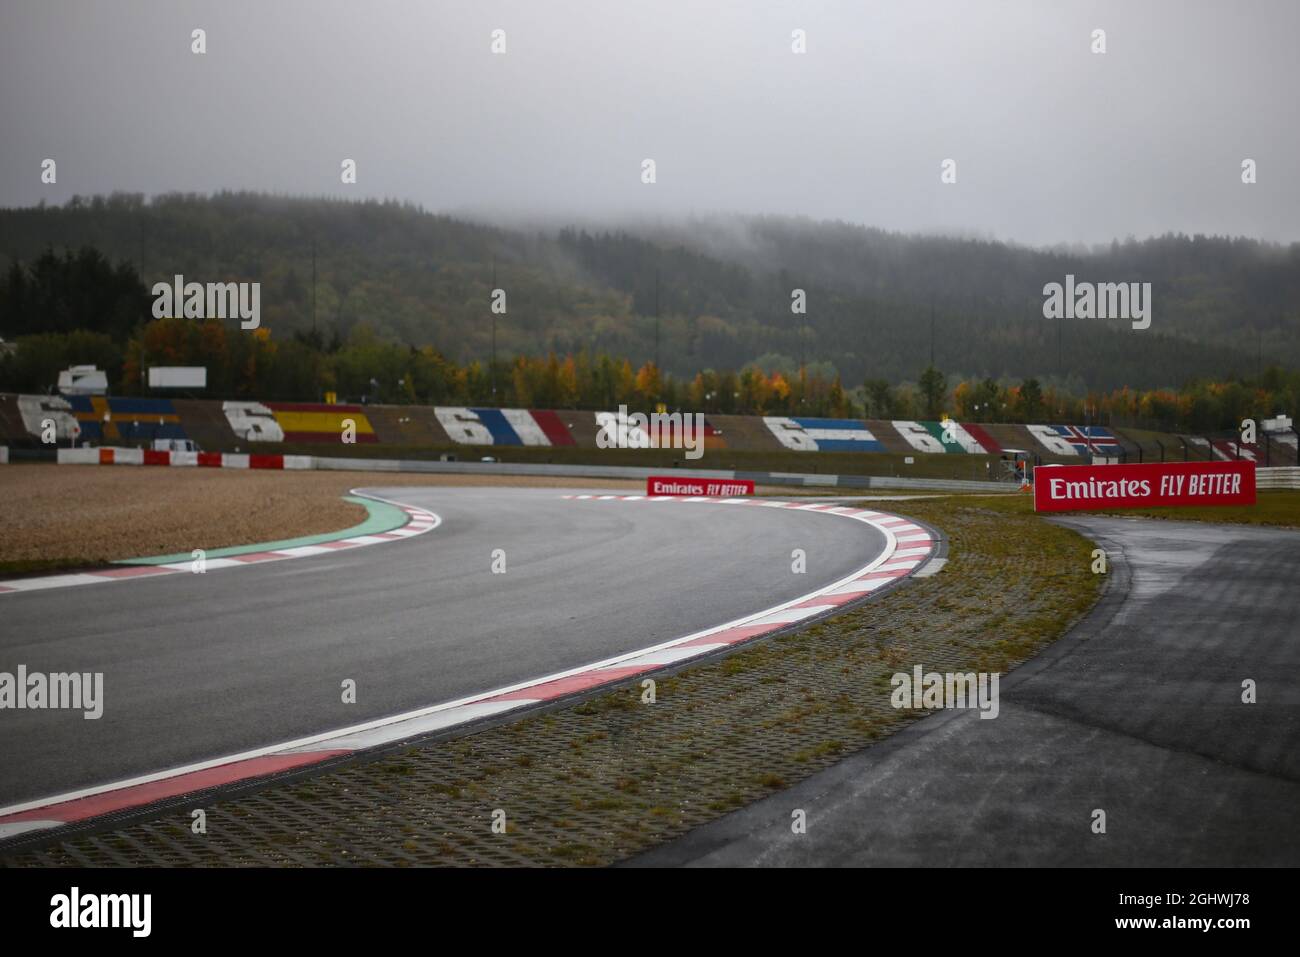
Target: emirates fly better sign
1062 488
672 485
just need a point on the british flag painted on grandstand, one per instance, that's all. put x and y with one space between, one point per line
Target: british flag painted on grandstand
1076 439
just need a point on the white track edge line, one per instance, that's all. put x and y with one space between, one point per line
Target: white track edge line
299 743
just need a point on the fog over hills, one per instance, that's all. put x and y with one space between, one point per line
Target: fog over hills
723 292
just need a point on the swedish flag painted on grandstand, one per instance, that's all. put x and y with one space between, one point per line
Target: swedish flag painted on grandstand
107 419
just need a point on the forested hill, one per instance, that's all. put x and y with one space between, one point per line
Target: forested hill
723 288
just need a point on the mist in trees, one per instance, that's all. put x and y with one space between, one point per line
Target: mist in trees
401 301
713 293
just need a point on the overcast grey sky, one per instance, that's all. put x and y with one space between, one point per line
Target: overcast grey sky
1053 143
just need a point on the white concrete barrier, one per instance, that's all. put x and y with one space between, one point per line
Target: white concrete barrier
233 460
78 456
1278 477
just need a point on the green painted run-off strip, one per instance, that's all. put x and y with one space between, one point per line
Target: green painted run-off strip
381 517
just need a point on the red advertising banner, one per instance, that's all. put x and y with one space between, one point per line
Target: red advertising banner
672 485
1062 488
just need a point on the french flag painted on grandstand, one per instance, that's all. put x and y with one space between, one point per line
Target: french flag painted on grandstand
1076 440
480 426
803 434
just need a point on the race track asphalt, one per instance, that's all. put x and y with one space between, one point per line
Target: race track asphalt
1137 712
200 666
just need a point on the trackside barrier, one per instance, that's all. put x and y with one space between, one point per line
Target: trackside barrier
1280 477
111 455
230 460
1277 477
79 456
641 474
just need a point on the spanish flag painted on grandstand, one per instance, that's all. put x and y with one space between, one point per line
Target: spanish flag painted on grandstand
313 422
